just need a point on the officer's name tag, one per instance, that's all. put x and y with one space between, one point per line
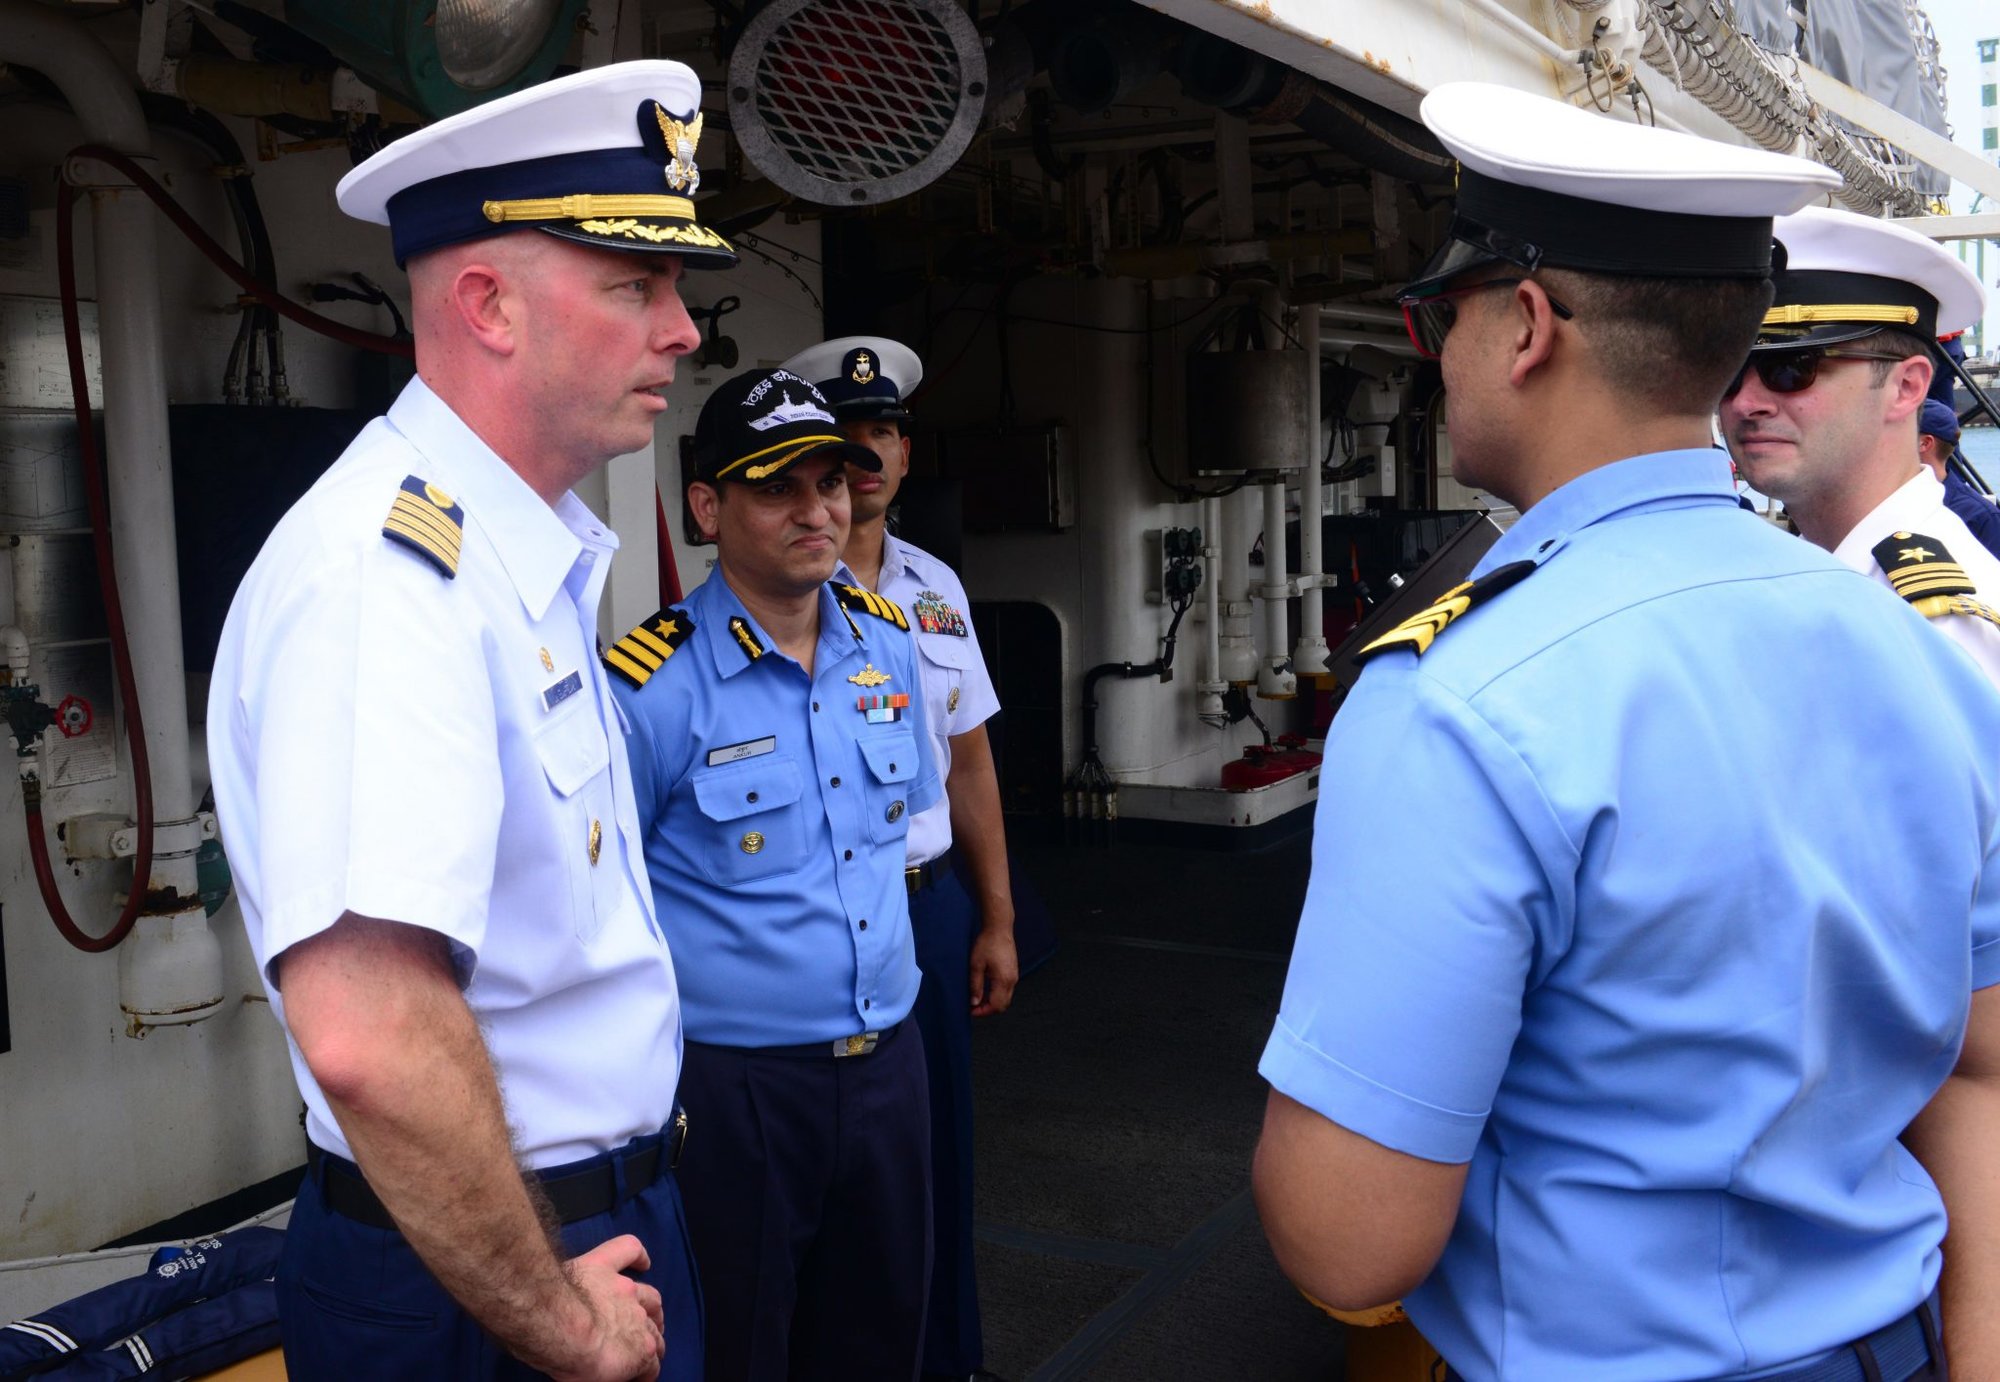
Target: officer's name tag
749 748
562 691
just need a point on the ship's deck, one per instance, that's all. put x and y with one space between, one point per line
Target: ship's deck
1118 1104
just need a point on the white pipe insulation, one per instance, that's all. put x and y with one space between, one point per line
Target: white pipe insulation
1209 691
1275 679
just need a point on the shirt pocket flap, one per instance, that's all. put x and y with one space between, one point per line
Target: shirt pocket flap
743 789
945 650
573 751
891 757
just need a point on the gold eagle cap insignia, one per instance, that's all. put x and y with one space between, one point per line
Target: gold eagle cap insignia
868 676
683 175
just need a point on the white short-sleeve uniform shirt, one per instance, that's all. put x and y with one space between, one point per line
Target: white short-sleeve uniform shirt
444 752
958 694
1918 506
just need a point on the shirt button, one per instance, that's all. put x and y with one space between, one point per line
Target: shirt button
864 923
867 1003
836 782
815 707
749 796
847 854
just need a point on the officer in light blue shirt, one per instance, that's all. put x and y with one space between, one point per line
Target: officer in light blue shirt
961 900
779 751
1680 865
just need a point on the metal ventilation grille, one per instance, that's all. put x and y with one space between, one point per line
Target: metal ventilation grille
852 104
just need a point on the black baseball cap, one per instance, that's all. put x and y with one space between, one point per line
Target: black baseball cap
759 424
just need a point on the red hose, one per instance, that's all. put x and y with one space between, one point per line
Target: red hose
221 258
114 616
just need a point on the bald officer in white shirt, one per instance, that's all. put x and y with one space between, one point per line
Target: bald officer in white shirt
422 778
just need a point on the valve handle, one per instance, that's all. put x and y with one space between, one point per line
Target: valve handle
73 716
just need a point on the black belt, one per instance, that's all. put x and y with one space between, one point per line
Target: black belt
921 876
596 1187
1907 1348
840 1048
1901 1351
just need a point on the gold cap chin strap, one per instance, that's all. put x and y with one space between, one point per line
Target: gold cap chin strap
1804 313
585 205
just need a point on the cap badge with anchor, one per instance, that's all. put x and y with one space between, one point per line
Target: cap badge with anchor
864 378
683 174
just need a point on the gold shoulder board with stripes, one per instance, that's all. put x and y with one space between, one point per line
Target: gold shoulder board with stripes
642 652
1417 631
854 597
1922 571
429 522
1918 566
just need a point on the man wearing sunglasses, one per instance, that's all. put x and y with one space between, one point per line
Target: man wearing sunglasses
1626 961
1824 415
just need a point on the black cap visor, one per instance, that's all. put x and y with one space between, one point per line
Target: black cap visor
762 467
697 245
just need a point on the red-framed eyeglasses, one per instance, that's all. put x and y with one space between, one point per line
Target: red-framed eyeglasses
1429 316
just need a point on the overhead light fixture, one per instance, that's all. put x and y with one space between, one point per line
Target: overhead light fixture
442 56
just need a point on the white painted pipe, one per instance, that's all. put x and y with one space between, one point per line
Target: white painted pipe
170 968
1309 655
1275 679
1212 680
1239 528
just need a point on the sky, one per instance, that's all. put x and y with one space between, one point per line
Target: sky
1960 24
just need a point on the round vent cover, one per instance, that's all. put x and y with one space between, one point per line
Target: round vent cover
850 105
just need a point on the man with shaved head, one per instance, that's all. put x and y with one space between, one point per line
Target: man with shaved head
423 785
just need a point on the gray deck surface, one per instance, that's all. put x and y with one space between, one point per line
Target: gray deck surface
1118 1104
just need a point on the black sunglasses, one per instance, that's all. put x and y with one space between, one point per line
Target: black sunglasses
1429 317
1793 371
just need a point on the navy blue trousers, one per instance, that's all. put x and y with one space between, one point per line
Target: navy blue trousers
808 1199
944 917
356 1301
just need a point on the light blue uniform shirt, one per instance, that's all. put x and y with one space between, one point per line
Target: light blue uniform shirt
1676 872
958 694
774 813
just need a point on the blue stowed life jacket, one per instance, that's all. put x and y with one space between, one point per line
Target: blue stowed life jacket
194 1310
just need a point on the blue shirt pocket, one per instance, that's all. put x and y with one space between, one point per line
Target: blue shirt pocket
891 755
753 825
